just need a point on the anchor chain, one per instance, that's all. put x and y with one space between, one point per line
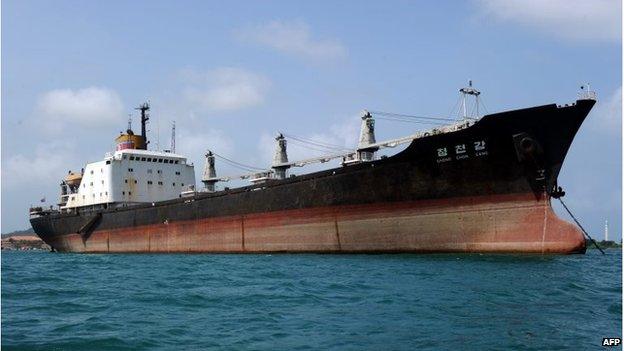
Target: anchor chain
557 194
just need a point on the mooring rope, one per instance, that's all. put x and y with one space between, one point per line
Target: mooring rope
580 226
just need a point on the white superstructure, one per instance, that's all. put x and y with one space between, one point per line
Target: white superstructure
130 175
133 176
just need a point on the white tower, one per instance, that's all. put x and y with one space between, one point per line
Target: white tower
367 138
606 230
280 159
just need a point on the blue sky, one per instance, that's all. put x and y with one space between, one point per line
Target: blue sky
233 73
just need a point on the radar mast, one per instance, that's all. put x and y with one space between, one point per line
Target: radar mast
144 118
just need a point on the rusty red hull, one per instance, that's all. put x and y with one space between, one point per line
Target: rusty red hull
502 224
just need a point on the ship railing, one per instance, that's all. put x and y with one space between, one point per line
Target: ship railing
421 134
587 95
40 211
348 158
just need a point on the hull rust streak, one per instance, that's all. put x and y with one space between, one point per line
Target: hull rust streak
438 226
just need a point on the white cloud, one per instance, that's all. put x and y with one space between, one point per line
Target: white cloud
226 89
294 38
44 168
91 106
199 142
574 20
194 144
607 116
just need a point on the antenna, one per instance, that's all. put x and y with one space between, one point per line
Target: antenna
469 90
173 137
129 121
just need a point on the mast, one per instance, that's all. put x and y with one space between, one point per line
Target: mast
144 118
129 122
173 138
469 90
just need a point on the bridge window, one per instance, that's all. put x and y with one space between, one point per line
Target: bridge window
130 170
176 162
177 173
131 158
149 182
154 160
142 158
160 160
108 162
149 159
160 183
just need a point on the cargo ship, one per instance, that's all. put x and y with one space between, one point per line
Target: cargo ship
476 184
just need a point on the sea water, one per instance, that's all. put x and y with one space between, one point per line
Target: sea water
53 301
